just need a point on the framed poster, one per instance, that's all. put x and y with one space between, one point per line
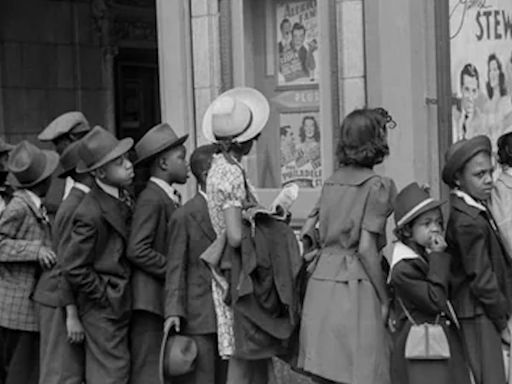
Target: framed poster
481 68
296 46
301 156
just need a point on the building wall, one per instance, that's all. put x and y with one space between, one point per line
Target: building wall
50 62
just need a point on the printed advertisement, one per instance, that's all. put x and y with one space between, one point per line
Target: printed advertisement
301 158
297 42
481 67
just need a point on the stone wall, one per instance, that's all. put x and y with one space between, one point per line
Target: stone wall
50 62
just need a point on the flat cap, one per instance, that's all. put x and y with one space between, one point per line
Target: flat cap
74 122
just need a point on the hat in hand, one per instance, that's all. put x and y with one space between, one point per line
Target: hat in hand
411 202
239 114
178 355
28 165
69 159
69 122
99 147
156 140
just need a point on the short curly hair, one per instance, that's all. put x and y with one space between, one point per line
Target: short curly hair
363 139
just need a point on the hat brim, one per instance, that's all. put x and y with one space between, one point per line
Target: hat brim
165 340
52 162
121 148
165 146
432 205
462 155
63 173
256 102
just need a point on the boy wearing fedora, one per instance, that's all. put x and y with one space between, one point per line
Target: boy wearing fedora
163 151
61 132
94 261
189 307
61 352
25 248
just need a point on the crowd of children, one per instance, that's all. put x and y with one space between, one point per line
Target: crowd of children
92 288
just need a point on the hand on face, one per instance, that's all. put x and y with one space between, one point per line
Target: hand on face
437 243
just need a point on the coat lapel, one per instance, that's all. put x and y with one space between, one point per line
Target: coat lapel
113 211
201 217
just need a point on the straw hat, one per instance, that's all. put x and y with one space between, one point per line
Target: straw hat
239 114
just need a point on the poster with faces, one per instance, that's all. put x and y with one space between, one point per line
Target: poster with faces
297 36
481 68
301 157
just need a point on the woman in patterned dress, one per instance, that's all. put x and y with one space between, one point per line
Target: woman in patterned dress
234 121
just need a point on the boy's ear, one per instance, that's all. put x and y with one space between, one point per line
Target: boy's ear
99 173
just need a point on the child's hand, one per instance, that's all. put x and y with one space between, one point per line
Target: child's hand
75 329
47 258
437 243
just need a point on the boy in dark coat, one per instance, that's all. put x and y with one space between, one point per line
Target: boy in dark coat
94 261
189 303
61 132
164 152
62 353
25 247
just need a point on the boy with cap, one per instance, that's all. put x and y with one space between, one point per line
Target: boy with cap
61 352
25 247
163 150
61 132
189 305
94 261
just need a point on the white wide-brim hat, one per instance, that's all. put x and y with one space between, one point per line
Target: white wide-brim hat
239 114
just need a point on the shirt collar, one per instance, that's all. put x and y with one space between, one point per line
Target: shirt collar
469 200
203 194
168 189
401 252
35 199
108 189
82 187
69 183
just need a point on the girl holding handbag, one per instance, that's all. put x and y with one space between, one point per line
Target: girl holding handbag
427 346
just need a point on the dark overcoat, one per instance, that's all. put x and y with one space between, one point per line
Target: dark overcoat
147 247
481 275
188 284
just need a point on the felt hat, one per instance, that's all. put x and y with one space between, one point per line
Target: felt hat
98 147
460 153
239 114
156 140
73 122
29 165
411 202
5 146
69 159
178 355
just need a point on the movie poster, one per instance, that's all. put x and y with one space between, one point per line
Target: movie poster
297 35
301 158
481 67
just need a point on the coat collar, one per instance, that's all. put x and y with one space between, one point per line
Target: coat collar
23 194
200 216
351 175
113 210
159 191
460 205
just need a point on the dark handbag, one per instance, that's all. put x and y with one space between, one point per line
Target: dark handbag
425 341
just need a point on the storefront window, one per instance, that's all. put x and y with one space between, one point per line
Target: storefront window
277 48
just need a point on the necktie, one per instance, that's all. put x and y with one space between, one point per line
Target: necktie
177 196
126 198
44 213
